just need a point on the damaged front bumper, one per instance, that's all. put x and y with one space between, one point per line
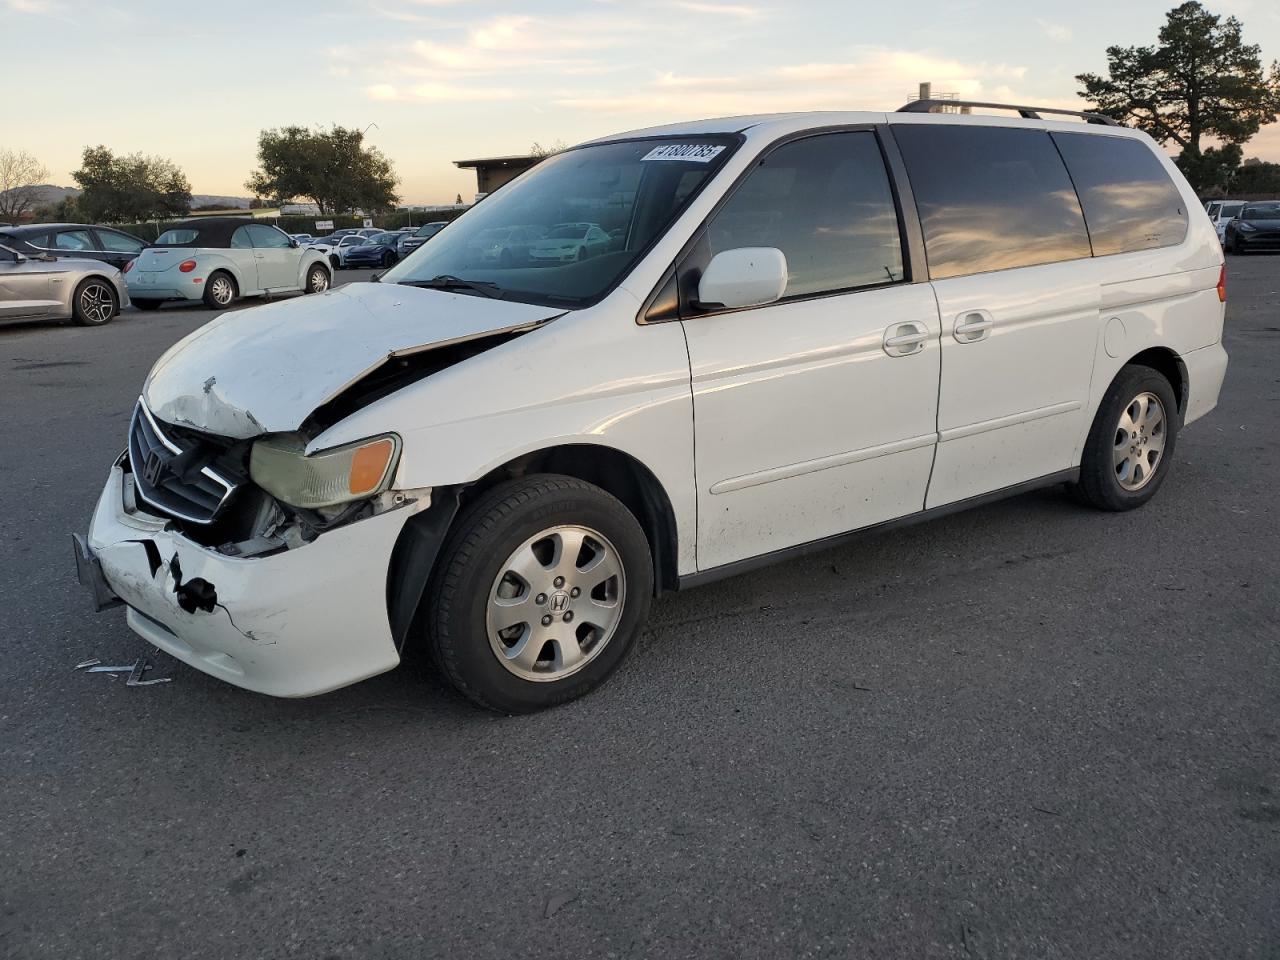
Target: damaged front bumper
292 624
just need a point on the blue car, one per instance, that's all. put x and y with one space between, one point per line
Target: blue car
380 250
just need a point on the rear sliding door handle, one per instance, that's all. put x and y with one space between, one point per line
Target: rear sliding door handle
972 326
904 339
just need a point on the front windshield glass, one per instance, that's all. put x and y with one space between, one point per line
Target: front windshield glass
568 230
428 229
1261 211
1229 210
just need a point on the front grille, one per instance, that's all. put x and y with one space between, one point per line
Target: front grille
173 475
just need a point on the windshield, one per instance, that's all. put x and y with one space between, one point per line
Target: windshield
1228 210
428 229
613 199
1261 211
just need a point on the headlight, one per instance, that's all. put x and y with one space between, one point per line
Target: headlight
1246 227
280 466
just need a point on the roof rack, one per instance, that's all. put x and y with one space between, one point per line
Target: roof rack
1027 113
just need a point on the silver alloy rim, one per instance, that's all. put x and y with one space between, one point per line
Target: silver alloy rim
555 603
1139 441
96 303
319 281
222 291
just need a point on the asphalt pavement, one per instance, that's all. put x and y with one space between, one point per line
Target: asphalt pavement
1030 730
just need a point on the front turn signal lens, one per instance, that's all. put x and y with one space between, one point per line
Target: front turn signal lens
369 466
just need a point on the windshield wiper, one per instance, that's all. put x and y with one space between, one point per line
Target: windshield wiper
448 282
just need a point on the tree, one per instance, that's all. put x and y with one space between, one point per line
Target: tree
332 168
21 176
128 189
1215 169
1257 177
538 150
1200 80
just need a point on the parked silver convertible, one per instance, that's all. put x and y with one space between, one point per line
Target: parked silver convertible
220 259
35 285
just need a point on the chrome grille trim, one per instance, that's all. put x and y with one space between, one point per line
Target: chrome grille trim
215 489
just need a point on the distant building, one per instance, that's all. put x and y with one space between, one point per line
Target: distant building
493 172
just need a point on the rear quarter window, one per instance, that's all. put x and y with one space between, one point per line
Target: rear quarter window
1129 201
991 198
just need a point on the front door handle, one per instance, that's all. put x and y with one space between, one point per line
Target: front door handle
904 339
973 326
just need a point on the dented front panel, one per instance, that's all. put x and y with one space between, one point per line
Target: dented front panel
293 624
267 369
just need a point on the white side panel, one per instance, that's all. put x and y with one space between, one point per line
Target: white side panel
1012 403
592 377
805 426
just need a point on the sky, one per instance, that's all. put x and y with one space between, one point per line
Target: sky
435 81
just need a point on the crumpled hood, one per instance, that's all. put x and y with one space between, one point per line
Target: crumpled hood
266 369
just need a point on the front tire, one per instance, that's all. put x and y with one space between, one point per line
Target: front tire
541 591
1130 447
95 303
220 290
317 279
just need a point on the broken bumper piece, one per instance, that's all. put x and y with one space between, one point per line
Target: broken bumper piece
293 624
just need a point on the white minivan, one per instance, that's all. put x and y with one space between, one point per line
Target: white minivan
800 327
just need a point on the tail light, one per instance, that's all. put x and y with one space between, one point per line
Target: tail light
1222 284
127 267
186 266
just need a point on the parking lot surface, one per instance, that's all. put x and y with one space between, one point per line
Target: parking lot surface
1031 730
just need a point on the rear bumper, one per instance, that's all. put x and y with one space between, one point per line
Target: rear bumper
293 624
1206 369
160 286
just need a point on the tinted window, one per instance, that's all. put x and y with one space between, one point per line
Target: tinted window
119 242
39 239
825 203
1261 211
1129 201
73 240
265 237
176 237
240 240
991 198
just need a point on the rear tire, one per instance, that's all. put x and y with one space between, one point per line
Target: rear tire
1131 443
570 623
95 303
147 304
220 290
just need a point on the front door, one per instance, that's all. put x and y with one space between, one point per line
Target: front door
814 415
26 286
278 259
1019 297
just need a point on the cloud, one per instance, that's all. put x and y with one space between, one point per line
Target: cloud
437 93
737 11
1056 32
873 79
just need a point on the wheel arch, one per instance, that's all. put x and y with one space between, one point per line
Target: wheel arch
614 471
1169 365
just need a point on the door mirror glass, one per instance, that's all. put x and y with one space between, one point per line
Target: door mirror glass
743 277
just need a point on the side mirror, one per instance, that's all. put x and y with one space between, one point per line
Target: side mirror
294 243
744 277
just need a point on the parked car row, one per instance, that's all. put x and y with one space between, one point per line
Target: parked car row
1254 226
35 284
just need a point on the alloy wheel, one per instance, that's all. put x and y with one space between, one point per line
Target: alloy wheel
556 602
96 303
221 290
1139 441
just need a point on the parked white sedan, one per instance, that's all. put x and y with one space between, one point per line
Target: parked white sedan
220 259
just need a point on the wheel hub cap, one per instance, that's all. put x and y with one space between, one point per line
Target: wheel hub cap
1139 441
555 603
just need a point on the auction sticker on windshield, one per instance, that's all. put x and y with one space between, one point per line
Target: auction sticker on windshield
695 152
